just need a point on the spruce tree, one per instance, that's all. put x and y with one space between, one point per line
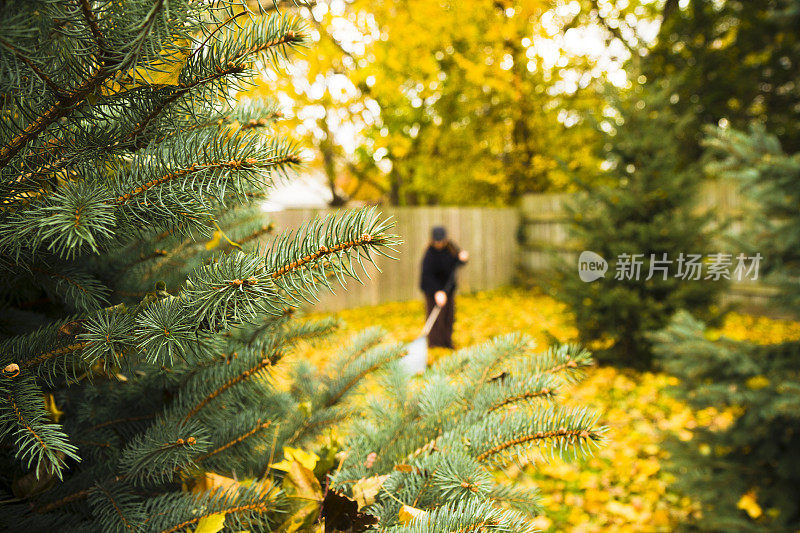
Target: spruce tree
642 225
431 446
146 335
733 61
747 474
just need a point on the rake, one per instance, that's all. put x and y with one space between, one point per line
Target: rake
416 360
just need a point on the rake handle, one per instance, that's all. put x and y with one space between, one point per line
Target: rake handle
431 320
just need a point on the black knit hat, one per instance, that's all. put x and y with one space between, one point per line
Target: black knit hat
438 233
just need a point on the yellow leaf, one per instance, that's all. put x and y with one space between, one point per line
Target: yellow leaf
301 485
649 467
52 408
299 521
304 482
650 449
305 408
211 481
660 517
757 382
211 523
215 240
749 504
290 455
365 490
408 513
621 509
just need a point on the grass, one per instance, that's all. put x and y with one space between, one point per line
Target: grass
624 486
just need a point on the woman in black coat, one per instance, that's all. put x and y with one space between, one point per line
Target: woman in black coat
438 282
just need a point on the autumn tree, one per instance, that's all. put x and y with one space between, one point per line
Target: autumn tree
470 112
421 103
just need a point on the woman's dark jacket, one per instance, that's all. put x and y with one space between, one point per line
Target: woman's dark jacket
438 269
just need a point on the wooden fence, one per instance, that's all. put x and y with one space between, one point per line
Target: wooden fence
490 236
501 242
545 237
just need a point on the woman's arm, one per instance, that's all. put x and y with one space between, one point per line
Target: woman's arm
458 253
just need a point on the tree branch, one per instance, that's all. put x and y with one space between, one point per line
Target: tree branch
60 109
267 6
91 21
234 164
613 31
64 104
362 177
233 442
669 7
31 65
560 433
252 371
232 68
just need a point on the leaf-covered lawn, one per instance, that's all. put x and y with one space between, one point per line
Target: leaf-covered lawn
623 487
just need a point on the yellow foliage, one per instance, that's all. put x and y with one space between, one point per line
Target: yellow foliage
757 382
455 85
209 481
408 513
290 455
211 523
51 408
215 240
623 510
542 523
759 329
302 486
749 504
624 486
365 490
165 71
304 482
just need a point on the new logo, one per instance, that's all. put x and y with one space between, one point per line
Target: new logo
591 266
